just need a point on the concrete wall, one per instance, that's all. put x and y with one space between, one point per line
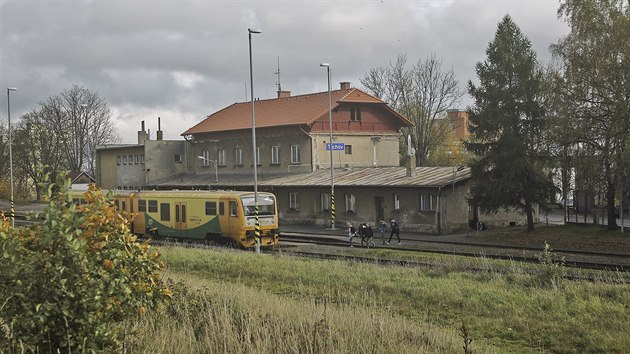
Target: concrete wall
366 150
114 170
160 158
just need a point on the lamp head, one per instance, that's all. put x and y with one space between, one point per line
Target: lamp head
201 157
252 30
327 65
11 88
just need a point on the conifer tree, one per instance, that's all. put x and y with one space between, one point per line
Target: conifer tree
506 122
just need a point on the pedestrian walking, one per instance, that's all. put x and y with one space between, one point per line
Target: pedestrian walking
395 229
382 228
351 233
366 233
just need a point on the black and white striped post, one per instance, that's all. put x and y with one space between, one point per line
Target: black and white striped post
332 170
251 78
12 215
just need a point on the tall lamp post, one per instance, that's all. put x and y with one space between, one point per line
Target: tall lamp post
12 215
332 170
216 171
251 85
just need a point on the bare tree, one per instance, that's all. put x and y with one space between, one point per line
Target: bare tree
84 121
422 93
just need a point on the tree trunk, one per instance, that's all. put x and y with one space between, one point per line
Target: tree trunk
610 206
530 217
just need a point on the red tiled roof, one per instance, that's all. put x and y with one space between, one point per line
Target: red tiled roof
293 110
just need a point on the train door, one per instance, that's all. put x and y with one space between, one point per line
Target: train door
180 219
234 222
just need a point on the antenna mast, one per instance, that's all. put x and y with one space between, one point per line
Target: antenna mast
278 73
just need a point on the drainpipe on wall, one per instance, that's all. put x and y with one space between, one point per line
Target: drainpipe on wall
440 213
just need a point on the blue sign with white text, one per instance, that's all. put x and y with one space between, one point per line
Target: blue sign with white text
336 146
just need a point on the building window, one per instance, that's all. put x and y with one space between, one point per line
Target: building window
293 202
206 158
124 159
131 159
142 159
211 208
258 155
295 153
221 157
165 211
275 155
427 202
142 205
136 159
350 208
348 149
153 206
396 202
178 158
238 156
325 201
118 160
355 113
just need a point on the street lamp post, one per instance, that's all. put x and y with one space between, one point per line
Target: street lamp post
251 85
12 215
216 171
332 170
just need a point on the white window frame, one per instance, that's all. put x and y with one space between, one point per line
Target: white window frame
293 201
325 202
258 163
350 203
238 156
295 153
221 157
422 202
206 158
396 202
275 155
142 159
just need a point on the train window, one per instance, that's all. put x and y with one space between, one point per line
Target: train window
176 212
142 205
124 205
117 204
221 208
165 211
152 206
211 208
183 212
233 211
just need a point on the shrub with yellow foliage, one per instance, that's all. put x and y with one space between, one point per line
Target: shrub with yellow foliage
69 281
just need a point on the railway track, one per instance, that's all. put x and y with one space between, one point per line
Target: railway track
609 261
572 258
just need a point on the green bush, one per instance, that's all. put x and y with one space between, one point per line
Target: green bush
69 281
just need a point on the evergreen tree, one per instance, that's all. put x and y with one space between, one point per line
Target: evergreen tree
506 123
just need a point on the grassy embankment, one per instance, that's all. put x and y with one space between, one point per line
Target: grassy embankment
241 302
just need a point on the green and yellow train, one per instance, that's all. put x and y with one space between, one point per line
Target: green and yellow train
220 216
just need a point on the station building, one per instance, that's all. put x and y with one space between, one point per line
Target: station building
293 161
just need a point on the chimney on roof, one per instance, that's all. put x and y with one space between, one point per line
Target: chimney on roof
160 134
345 85
142 135
283 94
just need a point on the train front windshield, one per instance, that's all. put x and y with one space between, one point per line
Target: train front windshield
266 205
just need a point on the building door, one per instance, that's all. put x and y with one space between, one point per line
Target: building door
180 219
379 207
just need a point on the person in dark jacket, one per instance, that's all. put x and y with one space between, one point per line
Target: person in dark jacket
366 233
382 228
395 229
351 233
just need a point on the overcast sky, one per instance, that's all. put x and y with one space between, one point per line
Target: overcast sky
184 60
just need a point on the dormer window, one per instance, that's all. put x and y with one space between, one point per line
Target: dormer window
355 113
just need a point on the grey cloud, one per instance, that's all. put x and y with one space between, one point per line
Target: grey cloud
128 51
